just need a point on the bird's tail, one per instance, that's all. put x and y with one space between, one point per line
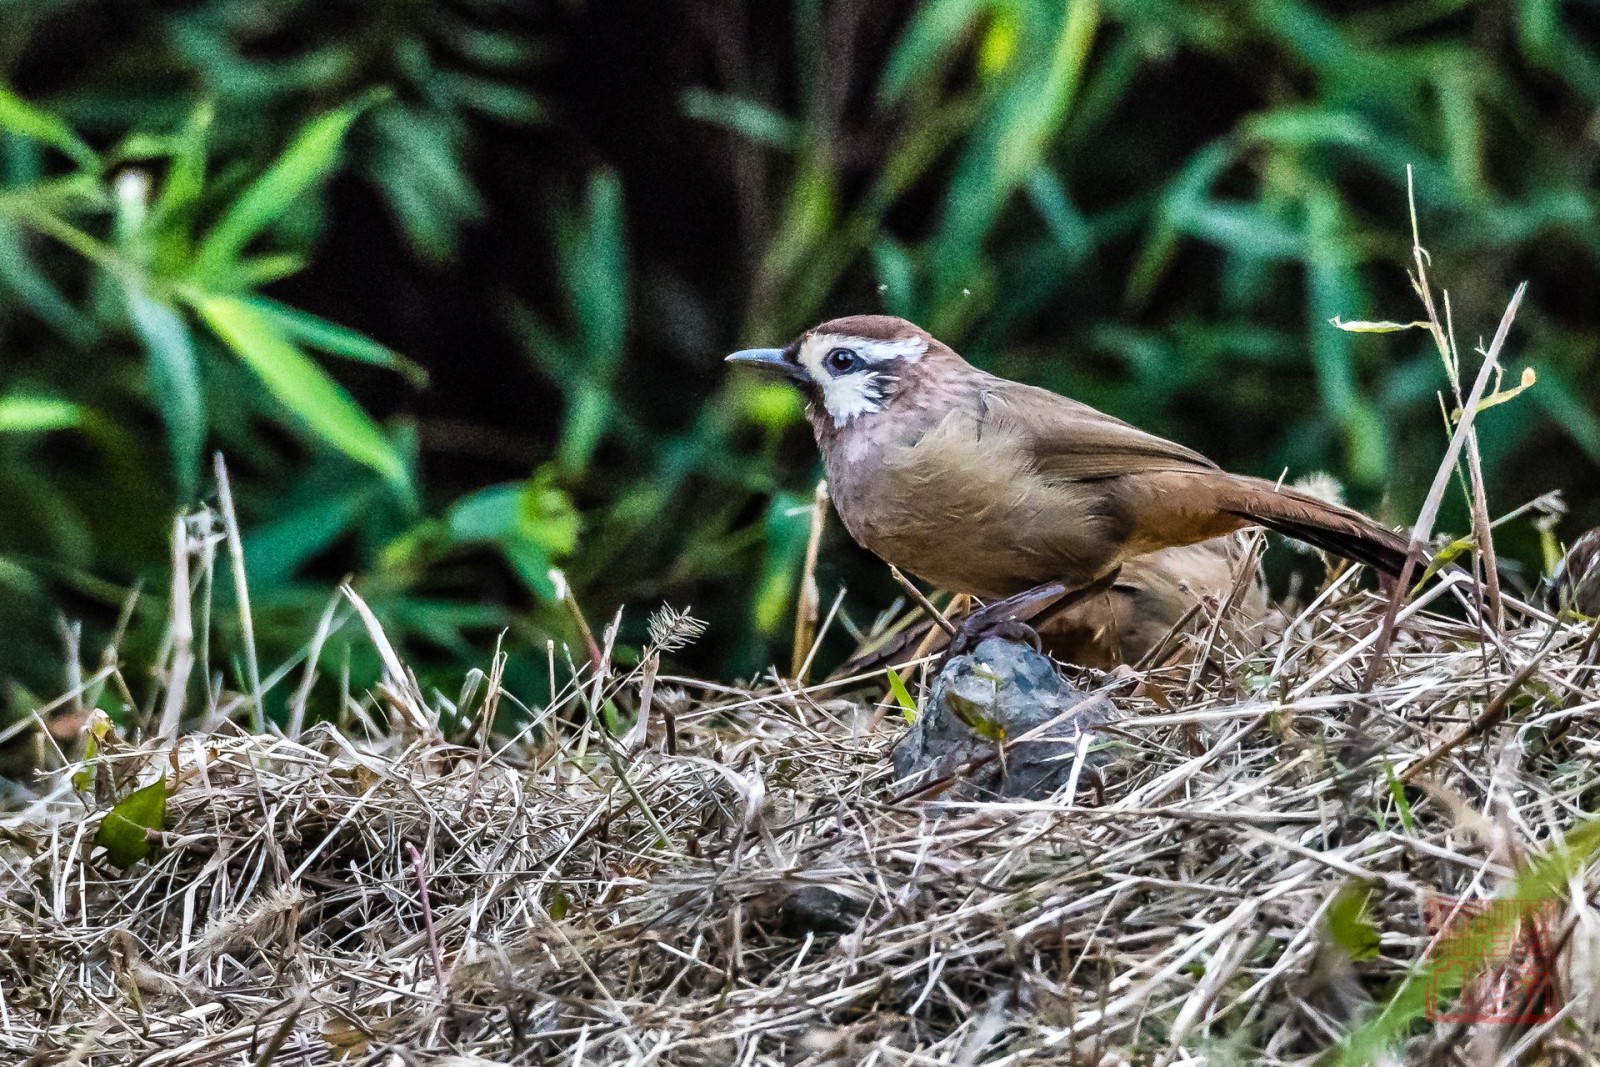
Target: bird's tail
1330 527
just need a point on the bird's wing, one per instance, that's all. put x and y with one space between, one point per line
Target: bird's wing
1071 441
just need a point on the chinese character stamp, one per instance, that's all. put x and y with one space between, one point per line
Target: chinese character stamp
1492 961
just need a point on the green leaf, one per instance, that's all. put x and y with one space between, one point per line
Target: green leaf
1350 925
499 100
936 29
750 120
303 387
36 292
1495 399
1066 225
902 696
29 414
593 254
174 375
1036 90
547 514
336 340
124 832
1332 282
300 529
185 180
98 729
22 118
534 523
972 714
787 527
303 164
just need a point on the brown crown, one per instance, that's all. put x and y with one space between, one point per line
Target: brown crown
871 327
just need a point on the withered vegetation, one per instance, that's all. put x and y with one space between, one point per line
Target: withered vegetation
570 895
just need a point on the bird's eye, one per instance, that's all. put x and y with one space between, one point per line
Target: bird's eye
842 361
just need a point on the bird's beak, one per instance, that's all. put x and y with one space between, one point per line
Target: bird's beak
769 359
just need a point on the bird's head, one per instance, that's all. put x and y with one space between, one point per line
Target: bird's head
848 368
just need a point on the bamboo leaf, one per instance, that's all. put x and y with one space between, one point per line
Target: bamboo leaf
303 387
303 164
933 32
336 340
22 118
174 376
750 120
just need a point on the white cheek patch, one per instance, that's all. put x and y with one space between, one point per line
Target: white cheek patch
852 395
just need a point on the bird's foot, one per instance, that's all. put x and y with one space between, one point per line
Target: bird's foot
1005 629
1015 616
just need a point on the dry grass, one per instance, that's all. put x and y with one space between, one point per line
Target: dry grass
605 900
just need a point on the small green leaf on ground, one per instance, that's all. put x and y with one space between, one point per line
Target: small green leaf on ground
1350 923
1398 791
902 696
124 832
99 726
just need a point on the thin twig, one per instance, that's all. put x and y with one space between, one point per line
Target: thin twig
230 525
807 600
923 602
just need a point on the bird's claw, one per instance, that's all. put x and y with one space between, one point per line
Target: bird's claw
968 638
1010 618
1004 618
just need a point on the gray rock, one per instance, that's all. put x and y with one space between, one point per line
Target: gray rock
816 909
999 691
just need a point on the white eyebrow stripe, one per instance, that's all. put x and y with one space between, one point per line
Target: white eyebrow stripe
909 349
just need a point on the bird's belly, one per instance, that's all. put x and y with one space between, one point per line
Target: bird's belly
973 517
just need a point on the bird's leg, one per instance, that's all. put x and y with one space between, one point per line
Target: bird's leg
1016 615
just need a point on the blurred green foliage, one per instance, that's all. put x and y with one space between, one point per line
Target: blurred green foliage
1153 206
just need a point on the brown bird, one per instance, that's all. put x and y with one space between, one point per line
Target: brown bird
1577 577
987 486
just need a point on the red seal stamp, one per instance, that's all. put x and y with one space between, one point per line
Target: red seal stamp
1493 961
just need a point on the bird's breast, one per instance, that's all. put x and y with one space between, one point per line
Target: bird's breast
964 509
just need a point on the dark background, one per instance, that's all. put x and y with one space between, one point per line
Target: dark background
567 213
